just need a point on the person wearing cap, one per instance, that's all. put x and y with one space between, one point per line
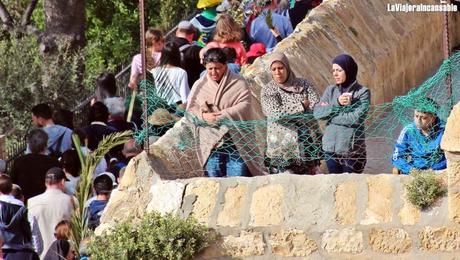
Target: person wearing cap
259 31
255 51
102 186
190 52
52 206
344 106
419 144
205 22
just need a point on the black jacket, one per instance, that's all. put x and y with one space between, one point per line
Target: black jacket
191 63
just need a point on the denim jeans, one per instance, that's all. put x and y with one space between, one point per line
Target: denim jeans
225 161
340 164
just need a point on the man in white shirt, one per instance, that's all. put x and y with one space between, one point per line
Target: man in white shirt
51 206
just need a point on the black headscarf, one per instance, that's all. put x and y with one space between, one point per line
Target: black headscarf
348 64
59 250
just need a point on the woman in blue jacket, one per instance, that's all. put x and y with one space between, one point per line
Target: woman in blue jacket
344 107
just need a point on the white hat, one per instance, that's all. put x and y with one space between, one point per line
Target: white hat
108 174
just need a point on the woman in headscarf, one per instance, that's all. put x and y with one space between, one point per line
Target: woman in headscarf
293 135
219 106
344 106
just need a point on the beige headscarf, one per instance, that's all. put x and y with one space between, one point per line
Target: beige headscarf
232 97
289 84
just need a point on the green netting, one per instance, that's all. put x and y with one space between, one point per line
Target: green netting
380 128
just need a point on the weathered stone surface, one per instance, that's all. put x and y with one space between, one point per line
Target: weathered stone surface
267 206
454 206
206 192
233 206
379 202
393 241
345 203
453 171
342 241
409 214
245 245
301 196
166 197
451 139
441 239
292 243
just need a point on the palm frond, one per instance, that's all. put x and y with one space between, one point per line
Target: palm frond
88 163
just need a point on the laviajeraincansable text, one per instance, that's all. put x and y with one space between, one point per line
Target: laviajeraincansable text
421 8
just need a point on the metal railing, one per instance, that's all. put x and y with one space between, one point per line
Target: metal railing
80 111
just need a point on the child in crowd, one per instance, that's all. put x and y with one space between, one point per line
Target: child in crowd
102 185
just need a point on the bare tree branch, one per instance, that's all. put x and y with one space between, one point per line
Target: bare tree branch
28 13
5 16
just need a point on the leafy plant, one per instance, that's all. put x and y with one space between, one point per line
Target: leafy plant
424 188
155 237
88 163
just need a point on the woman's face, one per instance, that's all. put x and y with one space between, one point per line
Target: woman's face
158 45
279 72
216 70
339 74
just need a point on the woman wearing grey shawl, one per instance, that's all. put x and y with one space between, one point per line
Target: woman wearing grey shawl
293 135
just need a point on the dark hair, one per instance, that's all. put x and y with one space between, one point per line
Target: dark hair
42 110
427 105
230 53
98 112
16 192
106 86
63 117
6 185
170 55
37 140
188 31
71 163
103 185
215 55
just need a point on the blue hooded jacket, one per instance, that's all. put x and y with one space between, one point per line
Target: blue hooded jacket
413 150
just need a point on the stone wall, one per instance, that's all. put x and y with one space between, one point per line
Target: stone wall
295 216
395 51
322 216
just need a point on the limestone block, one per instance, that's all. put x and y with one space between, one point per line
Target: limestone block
392 241
166 197
205 191
266 206
233 206
342 241
345 203
451 139
292 243
453 171
408 214
245 245
379 202
454 206
440 239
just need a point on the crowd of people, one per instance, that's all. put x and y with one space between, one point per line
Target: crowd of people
196 75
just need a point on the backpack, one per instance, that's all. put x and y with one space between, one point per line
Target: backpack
182 50
57 151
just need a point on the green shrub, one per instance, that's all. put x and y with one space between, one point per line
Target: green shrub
425 188
155 237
